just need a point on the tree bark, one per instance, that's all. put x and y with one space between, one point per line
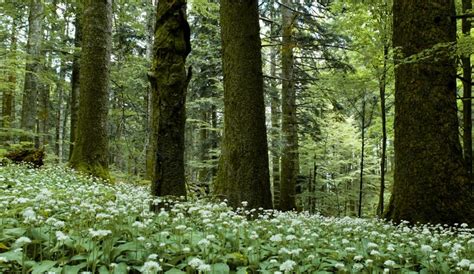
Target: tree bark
243 168
30 90
289 124
90 154
275 116
152 137
169 82
382 88
467 90
431 183
9 91
75 79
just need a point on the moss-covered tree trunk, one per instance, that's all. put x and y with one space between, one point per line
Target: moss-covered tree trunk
243 168
289 125
431 183
75 84
169 82
33 46
90 154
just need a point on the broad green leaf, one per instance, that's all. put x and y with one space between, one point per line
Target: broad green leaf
174 271
42 267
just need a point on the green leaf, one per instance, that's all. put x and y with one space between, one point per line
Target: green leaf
220 268
43 267
121 268
103 270
74 269
174 271
12 256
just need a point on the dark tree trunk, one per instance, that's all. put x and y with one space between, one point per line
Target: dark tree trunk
30 90
75 81
243 168
90 154
289 125
383 157
467 89
431 183
169 82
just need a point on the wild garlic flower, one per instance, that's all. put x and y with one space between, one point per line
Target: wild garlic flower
195 262
151 267
288 265
22 241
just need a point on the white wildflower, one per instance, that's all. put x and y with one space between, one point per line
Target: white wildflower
195 262
358 266
358 258
339 265
151 267
464 263
204 267
389 263
426 249
276 238
22 241
61 236
287 265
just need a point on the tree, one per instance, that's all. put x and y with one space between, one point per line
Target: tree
467 93
243 167
90 153
431 183
169 82
30 90
75 86
289 123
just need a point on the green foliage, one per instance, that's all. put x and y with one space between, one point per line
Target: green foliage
54 219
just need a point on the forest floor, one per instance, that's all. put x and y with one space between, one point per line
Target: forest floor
57 221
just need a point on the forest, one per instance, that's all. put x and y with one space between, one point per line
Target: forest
236 136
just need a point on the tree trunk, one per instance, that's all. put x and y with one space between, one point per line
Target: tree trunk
9 91
362 151
289 125
169 82
467 89
75 81
382 87
152 137
91 148
275 118
431 183
30 90
243 168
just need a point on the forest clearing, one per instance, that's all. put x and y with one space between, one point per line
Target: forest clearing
222 136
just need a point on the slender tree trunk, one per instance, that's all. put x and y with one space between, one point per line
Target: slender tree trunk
243 173
9 91
289 125
75 81
362 151
90 154
169 82
382 87
275 120
467 91
30 90
431 182
58 145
